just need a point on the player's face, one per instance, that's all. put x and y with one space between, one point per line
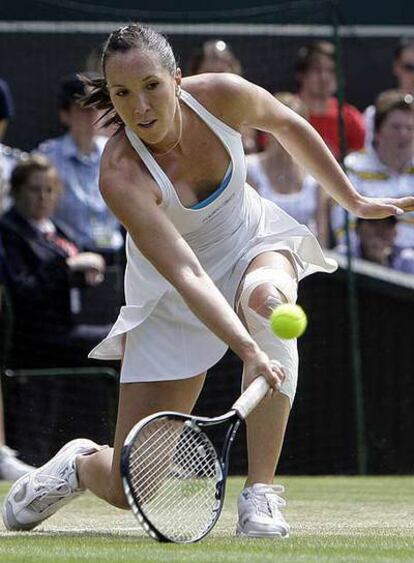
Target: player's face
143 93
396 134
37 199
404 70
319 80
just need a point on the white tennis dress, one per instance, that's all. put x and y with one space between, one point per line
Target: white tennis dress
164 339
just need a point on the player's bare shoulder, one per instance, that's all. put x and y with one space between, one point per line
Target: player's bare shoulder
122 170
225 95
117 158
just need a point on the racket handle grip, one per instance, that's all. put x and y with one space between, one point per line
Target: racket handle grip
253 395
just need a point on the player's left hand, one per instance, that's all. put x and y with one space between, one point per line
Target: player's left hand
380 207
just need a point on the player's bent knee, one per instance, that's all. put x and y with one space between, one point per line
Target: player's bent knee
264 299
267 287
263 290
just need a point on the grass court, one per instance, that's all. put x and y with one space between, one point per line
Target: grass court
333 520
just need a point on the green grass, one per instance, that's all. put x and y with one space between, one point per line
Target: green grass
333 520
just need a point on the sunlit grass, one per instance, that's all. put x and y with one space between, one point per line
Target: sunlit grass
333 519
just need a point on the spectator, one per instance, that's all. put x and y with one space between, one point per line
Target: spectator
43 268
76 155
216 56
375 242
403 69
386 169
8 156
278 177
6 107
11 468
316 78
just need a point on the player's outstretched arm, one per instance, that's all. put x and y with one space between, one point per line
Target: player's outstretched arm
248 104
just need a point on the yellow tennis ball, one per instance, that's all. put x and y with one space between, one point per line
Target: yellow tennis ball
288 321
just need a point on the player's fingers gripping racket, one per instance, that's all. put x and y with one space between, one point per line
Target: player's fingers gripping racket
174 476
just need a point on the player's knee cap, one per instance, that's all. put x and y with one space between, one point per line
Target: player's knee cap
283 288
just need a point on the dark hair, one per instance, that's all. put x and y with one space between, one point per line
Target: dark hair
388 101
216 49
403 44
23 170
122 40
309 53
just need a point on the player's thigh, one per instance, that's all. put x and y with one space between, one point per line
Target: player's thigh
138 400
280 260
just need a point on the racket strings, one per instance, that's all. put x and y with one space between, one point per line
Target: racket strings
187 463
187 467
172 497
174 470
149 461
187 459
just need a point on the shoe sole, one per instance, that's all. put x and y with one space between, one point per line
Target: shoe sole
257 535
9 520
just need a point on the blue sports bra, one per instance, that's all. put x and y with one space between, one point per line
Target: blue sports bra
224 183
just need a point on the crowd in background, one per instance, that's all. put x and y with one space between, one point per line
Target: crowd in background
59 243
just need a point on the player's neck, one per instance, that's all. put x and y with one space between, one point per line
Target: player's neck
177 134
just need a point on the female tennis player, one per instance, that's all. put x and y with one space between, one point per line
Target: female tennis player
208 260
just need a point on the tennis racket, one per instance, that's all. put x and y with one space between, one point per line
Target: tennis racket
174 475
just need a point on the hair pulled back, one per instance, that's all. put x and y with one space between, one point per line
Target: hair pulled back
122 40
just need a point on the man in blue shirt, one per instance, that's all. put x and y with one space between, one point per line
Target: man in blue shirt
9 156
6 107
76 155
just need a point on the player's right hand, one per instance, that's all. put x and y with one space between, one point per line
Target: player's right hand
271 370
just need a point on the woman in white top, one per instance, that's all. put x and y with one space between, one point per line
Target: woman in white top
202 247
277 176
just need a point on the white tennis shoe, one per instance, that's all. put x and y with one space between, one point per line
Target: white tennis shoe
259 514
39 494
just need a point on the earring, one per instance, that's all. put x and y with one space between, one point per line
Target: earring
178 91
